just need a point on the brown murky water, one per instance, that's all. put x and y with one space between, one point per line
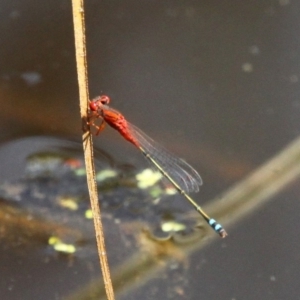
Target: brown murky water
215 82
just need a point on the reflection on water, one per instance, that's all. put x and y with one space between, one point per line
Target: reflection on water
45 206
45 210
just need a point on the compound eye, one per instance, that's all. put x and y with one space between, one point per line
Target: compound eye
104 99
93 105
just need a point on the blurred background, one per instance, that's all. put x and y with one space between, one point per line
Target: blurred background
216 82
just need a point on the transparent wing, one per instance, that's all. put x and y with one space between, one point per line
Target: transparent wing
180 171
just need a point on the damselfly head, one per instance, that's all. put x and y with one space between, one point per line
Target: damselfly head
97 102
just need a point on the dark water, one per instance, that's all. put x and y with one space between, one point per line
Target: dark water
217 82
